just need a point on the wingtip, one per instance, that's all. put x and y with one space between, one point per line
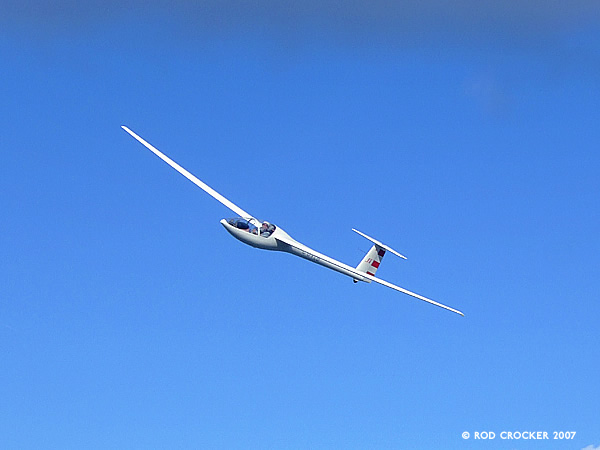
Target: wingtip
133 135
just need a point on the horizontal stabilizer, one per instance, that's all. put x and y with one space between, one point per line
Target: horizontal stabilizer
376 242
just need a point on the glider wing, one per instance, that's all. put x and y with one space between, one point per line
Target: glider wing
412 294
338 266
206 188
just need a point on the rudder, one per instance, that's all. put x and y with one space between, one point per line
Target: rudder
370 263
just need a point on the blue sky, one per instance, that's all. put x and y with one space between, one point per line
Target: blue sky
464 136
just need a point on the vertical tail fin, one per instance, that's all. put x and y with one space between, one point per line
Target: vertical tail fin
370 263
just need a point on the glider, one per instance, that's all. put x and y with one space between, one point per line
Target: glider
265 235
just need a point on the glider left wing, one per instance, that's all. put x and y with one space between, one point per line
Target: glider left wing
412 294
339 266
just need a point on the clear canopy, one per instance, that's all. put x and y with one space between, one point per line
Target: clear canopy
266 229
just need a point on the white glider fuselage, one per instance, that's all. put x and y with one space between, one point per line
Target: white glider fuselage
280 241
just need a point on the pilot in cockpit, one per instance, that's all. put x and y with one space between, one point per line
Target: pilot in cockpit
266 229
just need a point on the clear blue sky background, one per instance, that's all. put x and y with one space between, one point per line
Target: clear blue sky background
466 136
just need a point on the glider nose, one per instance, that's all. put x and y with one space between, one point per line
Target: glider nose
223 222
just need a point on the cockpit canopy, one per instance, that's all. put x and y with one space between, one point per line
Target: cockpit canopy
266 229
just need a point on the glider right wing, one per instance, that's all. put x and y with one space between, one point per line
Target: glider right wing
206 188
